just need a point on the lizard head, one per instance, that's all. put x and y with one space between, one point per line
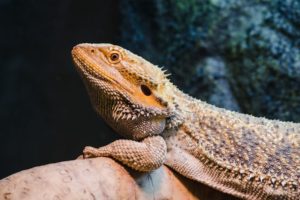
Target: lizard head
125 89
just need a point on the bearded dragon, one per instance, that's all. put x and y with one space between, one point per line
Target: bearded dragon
242 155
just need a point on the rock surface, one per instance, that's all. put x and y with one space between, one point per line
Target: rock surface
100 178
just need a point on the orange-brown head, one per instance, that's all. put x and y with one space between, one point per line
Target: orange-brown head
126 90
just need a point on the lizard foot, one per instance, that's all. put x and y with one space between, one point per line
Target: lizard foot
146 155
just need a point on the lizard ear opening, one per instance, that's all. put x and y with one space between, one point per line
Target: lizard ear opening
146 90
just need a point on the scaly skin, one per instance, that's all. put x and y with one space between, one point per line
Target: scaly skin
245 156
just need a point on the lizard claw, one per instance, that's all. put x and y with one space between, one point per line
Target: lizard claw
89 152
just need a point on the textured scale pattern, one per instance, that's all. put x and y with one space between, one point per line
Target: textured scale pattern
142 156
245 156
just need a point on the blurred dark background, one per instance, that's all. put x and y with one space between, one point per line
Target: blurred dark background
241 55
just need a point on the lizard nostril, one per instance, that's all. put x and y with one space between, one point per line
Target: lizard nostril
146 90
92 50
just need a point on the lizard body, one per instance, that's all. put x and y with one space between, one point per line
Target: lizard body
242 155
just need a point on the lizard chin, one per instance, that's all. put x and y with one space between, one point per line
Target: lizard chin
139 128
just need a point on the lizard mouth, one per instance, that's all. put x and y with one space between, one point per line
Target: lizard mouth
87 66
90 65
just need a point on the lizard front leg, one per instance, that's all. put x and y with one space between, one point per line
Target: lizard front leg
147 155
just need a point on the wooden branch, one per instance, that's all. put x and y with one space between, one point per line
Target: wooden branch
99 178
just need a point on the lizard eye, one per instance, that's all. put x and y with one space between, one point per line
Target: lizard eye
114 57
146 90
